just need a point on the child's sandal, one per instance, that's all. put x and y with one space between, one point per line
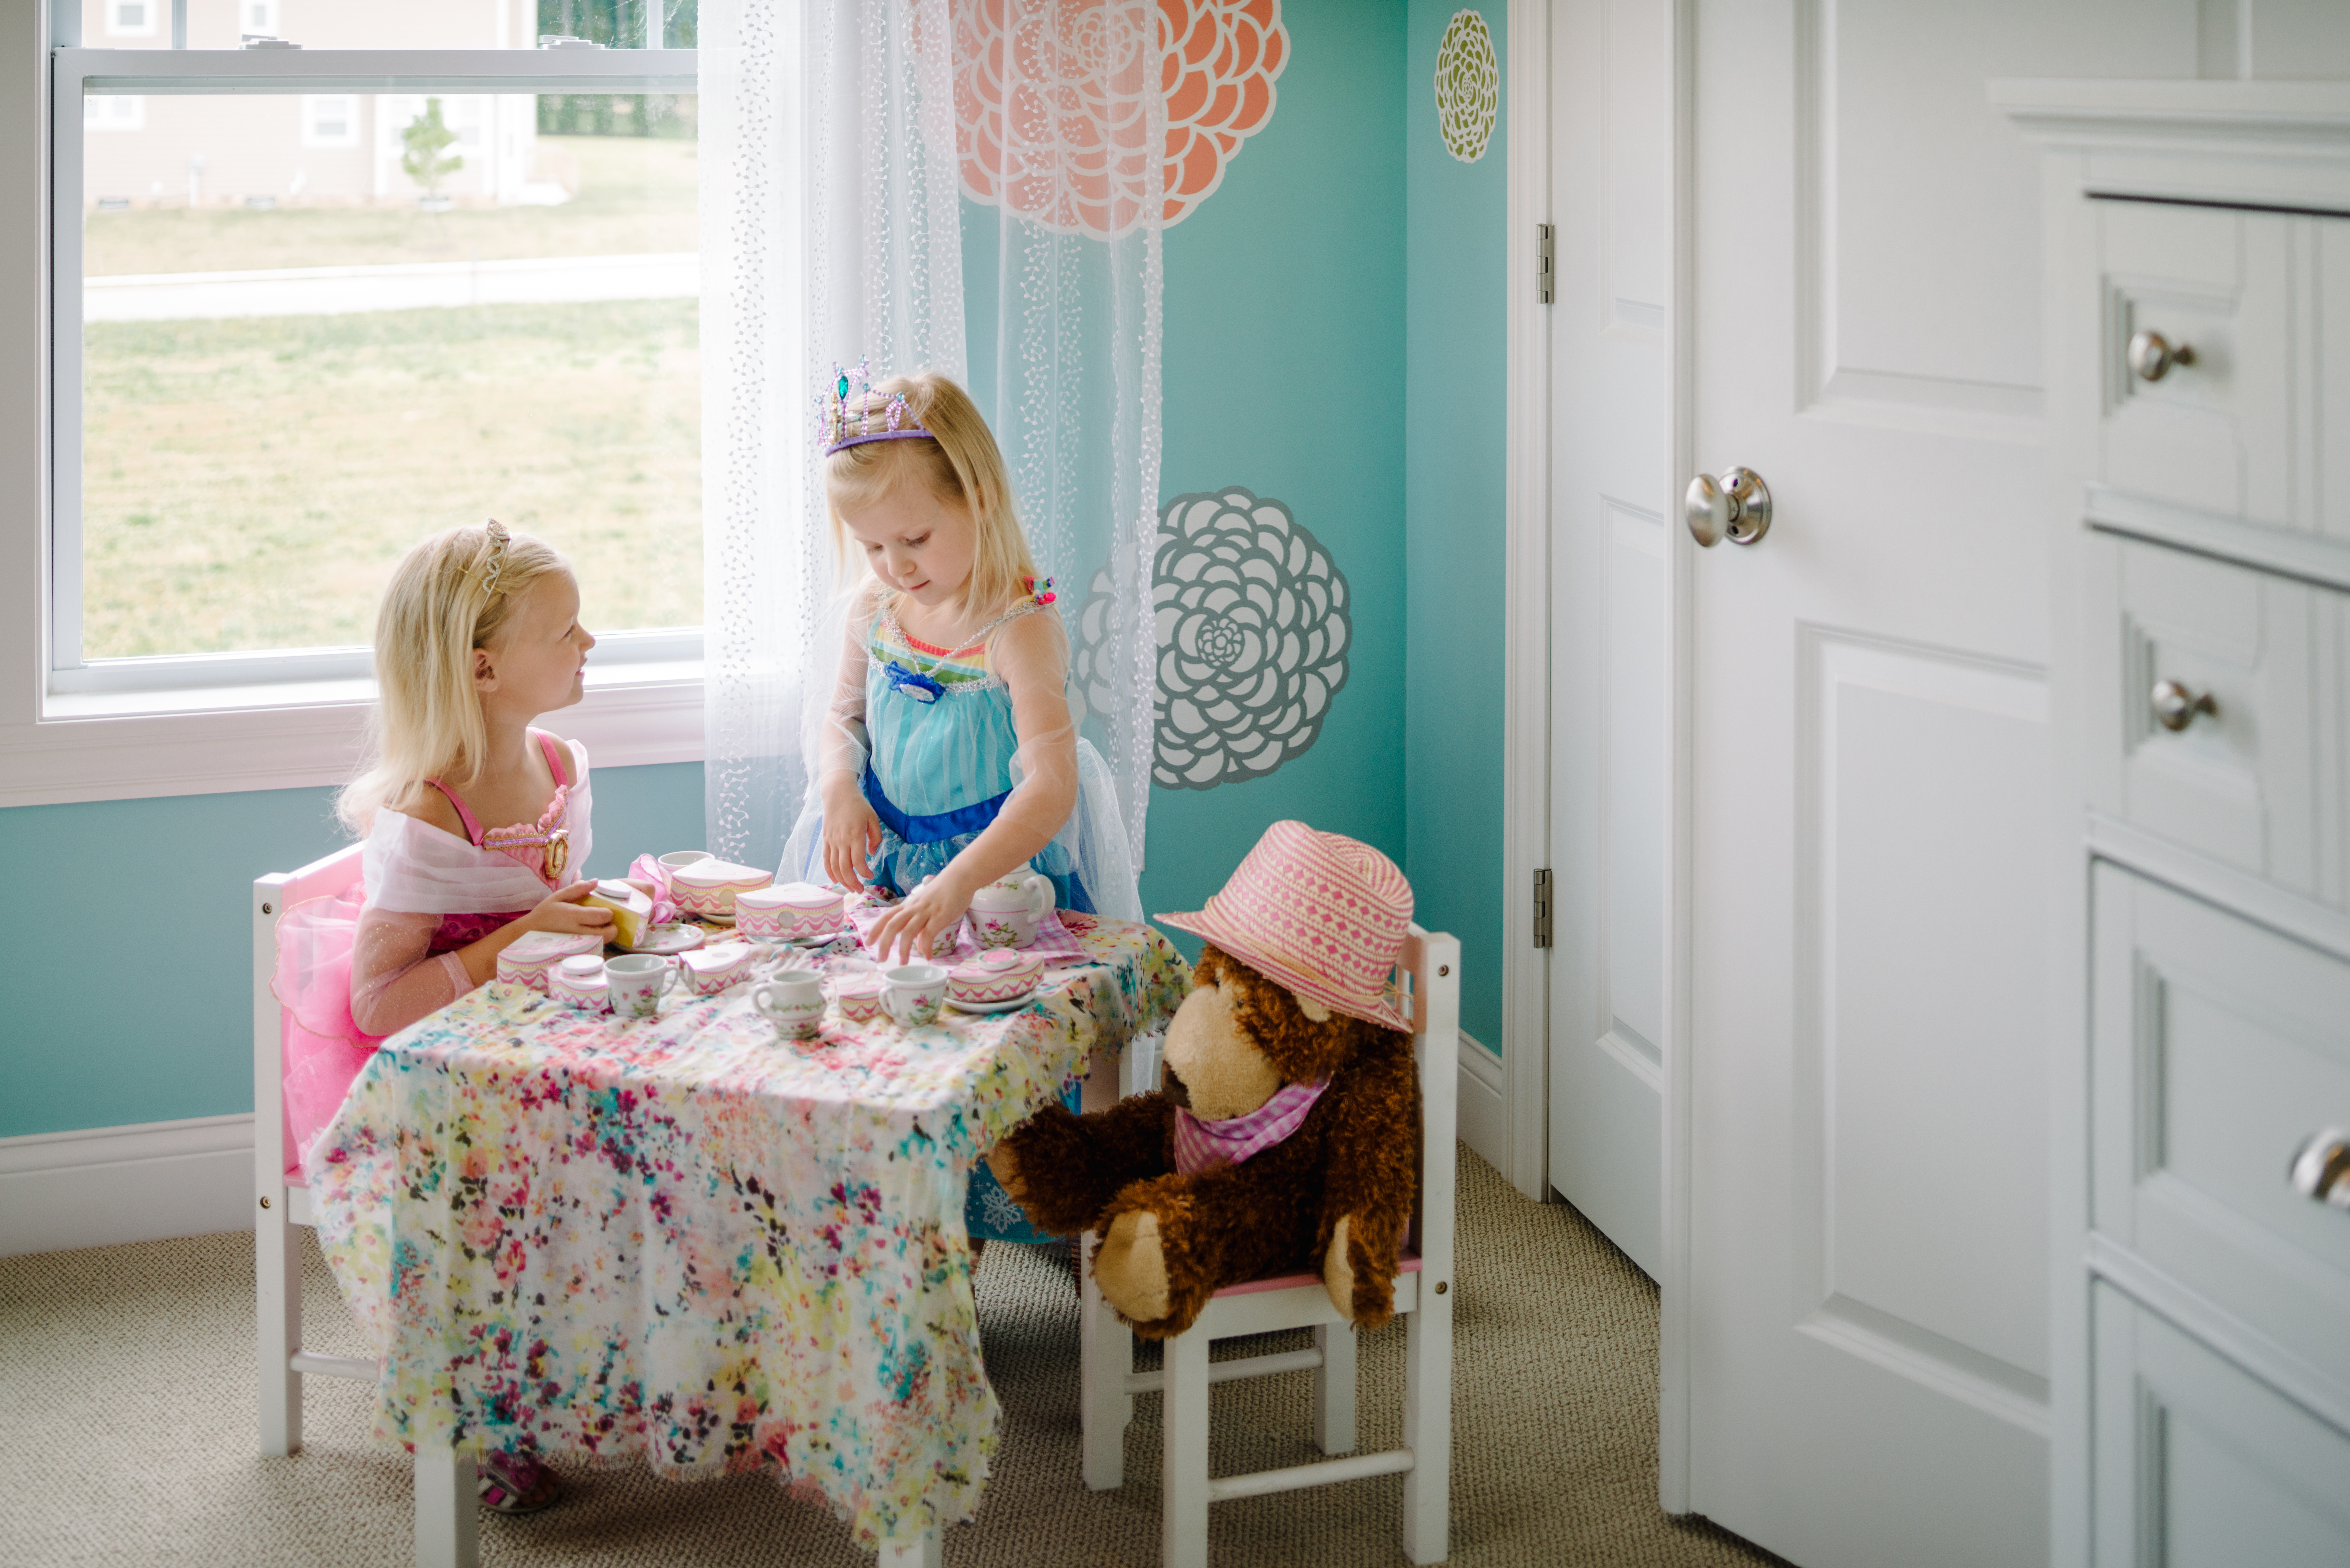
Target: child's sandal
513 1484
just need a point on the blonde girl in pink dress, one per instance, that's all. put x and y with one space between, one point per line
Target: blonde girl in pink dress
478 634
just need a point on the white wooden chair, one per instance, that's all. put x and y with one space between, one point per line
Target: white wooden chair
1431 965
446 1525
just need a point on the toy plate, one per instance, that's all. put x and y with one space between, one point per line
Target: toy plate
677 937
1009 1005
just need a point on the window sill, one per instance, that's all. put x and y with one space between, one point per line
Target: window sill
128 746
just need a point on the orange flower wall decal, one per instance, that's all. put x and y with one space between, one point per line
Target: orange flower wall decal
1050 118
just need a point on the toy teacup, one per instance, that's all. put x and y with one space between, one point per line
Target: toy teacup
638 982
912 993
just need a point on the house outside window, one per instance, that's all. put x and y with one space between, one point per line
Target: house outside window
132 18
331 119
312 327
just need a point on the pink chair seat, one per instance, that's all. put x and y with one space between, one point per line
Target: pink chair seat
1408 1264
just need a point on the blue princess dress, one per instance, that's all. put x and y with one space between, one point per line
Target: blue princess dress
938 766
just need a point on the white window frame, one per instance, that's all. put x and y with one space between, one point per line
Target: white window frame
113 8
312 137
121 729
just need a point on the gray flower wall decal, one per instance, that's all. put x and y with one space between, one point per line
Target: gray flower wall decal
1252 623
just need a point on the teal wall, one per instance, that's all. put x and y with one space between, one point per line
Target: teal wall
1285 367
1455 227
155 1023
1333 328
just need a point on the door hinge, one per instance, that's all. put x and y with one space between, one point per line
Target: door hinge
1542 906
1545 268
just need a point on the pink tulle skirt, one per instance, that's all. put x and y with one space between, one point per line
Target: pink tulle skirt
324 1049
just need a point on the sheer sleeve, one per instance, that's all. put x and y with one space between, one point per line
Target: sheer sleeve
1032 655
396 979
842 748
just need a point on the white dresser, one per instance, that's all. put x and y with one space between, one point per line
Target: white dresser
2197 317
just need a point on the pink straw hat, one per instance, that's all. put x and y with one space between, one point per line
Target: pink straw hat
1318 912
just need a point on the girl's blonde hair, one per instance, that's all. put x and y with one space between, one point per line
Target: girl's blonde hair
958 463
451 594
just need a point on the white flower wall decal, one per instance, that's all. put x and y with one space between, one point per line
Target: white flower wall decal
1253 626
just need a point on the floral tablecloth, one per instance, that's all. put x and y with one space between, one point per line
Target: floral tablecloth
679 1238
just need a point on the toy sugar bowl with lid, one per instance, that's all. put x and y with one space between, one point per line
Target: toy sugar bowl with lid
530 957
707 972
579 980
997 978
793 1002
788 912
1004 913
709 885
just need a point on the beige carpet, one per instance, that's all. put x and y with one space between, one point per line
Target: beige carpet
127 1431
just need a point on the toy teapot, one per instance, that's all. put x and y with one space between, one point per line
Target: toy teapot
1004 913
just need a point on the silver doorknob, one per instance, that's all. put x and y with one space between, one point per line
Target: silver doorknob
2175 706
2151 356
2321 1168
1736 507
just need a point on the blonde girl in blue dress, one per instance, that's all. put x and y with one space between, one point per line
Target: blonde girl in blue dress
950 758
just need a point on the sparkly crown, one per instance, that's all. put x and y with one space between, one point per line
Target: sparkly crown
842 421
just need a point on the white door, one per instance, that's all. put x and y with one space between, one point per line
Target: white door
1613 506
1863 1333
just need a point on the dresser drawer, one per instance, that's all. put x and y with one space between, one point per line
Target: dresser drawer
2217 1047
2254 778
2199 1465
2216 432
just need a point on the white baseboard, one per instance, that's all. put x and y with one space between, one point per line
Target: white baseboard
137 1183
1484 1121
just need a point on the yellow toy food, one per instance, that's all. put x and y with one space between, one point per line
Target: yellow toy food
631 911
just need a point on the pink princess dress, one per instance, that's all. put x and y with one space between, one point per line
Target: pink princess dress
354 970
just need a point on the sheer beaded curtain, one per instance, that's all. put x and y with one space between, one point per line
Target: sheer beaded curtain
830 232
1061 127
835 134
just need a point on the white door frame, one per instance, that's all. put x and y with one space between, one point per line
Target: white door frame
1526 700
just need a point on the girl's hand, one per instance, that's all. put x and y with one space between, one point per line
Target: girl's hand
851 833
933 910
562 912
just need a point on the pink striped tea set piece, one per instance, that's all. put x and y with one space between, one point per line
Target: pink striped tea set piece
794 912
579 980
999 974
709 971
708 888
860 996
531 955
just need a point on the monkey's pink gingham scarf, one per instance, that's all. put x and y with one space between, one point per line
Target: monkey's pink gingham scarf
1203 1144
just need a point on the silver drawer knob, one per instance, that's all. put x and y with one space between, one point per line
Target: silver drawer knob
2321 1168
1736 507
2151 356
2175 706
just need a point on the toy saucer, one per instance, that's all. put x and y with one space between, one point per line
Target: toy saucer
1009 1004
677 937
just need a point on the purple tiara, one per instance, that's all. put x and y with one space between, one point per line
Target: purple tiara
839 427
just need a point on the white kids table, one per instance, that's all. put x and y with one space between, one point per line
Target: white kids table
676 1237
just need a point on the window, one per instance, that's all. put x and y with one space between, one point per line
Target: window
312 327
330 120
119 113
132 18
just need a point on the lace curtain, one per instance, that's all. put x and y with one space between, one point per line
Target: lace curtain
836 136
